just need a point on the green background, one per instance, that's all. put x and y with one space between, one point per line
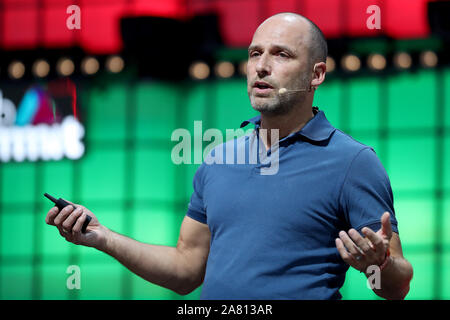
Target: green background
127 178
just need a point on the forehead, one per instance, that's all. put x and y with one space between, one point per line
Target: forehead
287 31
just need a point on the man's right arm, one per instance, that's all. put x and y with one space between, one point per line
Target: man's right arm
181 268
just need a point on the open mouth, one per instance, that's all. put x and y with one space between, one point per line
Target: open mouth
262 87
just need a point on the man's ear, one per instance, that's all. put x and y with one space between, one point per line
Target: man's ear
319 71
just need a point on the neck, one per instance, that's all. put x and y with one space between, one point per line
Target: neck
286 123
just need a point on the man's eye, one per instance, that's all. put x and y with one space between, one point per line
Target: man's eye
283 55
254 54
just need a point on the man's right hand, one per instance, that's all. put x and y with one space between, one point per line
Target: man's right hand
69 223
180 269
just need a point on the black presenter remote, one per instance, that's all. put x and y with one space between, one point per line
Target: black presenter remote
60 203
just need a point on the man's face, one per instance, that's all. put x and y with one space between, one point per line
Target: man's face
278 58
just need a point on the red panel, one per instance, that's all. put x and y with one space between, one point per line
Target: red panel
100 2
15 4
100 28
326 15
200 7
59 3
238 21
277 6
166 8
356 25
56 33
20 28
2 28
53 3
405 18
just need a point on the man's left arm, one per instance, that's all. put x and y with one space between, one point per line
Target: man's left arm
383 249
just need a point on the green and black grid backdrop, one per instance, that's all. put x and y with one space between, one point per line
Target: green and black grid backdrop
127 178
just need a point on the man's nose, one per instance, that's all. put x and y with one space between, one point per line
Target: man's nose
263 66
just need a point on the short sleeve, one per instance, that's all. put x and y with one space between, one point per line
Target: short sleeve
196 208
366 193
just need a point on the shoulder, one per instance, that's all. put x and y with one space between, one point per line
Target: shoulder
359 157
347 143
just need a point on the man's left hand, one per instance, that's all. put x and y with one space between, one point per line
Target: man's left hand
361 252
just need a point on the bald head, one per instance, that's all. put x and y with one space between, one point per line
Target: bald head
315 40
287 51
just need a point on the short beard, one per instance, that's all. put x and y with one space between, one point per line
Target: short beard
276 106
282 104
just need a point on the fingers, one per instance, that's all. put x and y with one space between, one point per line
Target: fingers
79 224
345 255
374 238
68 218
386 227
49 219
69 223
63 214
360 252
362 243
349 245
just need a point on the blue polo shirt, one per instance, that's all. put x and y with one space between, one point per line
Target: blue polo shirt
273 235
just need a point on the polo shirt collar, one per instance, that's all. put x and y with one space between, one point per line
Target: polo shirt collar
316 129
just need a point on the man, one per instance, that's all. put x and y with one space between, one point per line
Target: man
247 235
